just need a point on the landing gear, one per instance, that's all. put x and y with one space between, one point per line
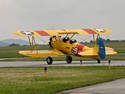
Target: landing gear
69 59
109 61
49 60
98 61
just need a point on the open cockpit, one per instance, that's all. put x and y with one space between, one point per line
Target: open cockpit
63 40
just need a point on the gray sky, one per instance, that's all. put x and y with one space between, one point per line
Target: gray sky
61 14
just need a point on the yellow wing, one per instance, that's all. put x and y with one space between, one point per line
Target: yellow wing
41 53
65 31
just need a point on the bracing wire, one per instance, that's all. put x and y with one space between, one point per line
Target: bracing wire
41 40
85 39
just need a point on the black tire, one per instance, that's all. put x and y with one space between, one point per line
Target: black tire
98 61
49 60
109 61
69 59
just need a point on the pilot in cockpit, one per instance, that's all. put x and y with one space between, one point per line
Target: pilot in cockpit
72 41
65 39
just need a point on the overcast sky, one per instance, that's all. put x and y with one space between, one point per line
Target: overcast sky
61 14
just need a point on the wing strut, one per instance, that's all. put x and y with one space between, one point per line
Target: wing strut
72 36
32 43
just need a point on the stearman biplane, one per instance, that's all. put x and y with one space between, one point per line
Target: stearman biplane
66 46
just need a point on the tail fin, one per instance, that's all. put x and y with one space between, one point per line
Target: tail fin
99 48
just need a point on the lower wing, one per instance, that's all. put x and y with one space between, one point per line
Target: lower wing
41 53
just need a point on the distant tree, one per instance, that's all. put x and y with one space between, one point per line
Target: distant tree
122 40
108 40
14 44
91 41
82 42
114 40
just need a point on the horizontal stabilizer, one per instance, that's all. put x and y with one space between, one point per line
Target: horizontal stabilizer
92 53
110 51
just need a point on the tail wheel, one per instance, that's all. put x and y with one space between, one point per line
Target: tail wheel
98 61
69 59
49 60
109 61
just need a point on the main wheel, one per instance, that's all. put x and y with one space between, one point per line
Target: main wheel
98 61
69 59
49 60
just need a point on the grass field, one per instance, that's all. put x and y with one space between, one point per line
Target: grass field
28 80
12 52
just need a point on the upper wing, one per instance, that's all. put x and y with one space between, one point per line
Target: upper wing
65 31
41 53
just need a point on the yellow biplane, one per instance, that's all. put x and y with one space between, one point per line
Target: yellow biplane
66 46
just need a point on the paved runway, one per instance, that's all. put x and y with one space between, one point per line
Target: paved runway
113 87
59 63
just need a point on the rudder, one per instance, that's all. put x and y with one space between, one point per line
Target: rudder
99 47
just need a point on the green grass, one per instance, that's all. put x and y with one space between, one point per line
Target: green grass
12 52
28 80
